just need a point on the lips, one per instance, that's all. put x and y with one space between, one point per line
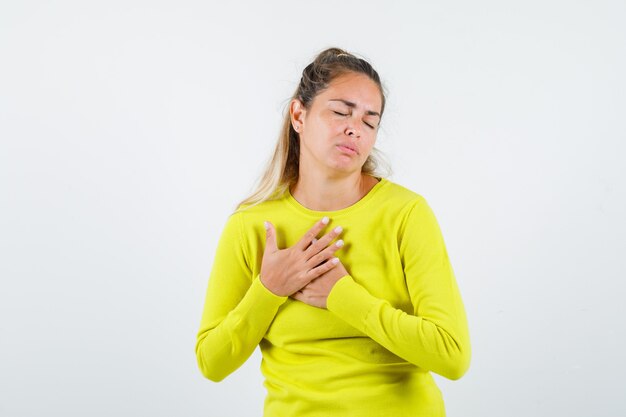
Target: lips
345 147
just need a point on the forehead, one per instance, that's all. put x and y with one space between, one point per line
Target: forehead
353 87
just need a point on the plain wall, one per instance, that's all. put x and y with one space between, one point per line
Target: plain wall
130 129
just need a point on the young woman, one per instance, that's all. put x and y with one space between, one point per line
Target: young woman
350 326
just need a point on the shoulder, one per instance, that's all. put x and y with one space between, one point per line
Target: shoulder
407 207
254 213
260 208
400 196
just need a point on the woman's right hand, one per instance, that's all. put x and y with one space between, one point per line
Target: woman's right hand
285 271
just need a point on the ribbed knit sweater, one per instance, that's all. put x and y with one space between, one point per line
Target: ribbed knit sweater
397 316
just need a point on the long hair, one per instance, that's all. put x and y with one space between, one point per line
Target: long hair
282 170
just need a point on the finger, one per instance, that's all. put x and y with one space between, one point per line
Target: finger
322 269
270 238
312 234
312 242
322 242
322 256
297 296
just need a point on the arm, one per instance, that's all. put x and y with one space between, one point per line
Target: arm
238 308
436 336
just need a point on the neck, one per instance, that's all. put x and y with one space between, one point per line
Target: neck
320 192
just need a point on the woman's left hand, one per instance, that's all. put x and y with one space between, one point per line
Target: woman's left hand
316 292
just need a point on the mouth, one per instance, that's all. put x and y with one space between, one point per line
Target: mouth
347 149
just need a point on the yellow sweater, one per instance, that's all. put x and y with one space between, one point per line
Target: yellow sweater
397 316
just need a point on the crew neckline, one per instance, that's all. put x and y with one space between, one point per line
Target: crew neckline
316 213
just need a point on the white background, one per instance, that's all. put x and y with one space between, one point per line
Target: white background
129 130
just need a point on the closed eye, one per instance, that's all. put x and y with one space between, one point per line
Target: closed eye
344 114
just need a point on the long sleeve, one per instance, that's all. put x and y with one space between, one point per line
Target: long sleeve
238 308
436 336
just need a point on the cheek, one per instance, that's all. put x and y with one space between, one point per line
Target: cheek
336 126
370 139
325 126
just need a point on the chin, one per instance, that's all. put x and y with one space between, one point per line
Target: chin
347 168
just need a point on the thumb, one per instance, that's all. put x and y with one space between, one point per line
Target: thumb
270 238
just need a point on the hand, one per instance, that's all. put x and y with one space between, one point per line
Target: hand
315 293
285 271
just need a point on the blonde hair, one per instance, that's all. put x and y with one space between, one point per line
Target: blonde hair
282 170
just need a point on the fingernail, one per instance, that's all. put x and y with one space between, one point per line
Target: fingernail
314 240
339 243
335 260
267 225
325 220
338 229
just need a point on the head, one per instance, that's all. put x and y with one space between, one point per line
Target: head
337 128
338 96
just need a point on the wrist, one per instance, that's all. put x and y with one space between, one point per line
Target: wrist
268 286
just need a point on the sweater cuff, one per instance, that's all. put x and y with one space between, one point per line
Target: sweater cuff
259 296
351 302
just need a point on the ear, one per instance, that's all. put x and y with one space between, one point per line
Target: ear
297 113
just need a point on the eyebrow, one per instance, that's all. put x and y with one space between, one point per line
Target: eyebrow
353 105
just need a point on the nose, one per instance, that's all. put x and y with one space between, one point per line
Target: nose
352 132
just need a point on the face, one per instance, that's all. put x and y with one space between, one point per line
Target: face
339 129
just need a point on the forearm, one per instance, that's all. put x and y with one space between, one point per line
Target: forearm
223 345
441 347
